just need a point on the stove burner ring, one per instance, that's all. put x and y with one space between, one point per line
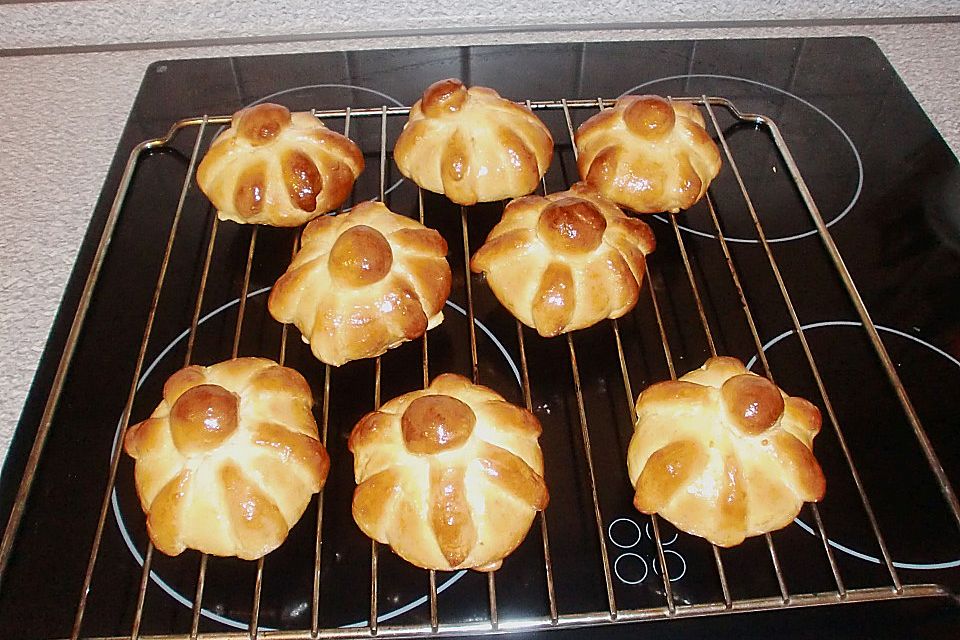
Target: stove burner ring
803 525
330 85
846 137
236 624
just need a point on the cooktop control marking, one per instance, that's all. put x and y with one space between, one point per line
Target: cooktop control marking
626 533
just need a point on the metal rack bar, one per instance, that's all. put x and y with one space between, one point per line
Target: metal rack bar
474 371
148 556
373 623
661 556
585 434
708 333
324 428
544 533
142 591
808 353
475 375
128 408
577 620
758 343
244 291
528 402
253 628
198 597
432 573
204 558
315 601
192 336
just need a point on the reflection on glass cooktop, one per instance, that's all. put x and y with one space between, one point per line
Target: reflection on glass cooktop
884 181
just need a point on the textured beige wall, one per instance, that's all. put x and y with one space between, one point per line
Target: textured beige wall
44 24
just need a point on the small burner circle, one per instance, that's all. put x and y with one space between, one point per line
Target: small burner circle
823 114
674 575
213 615
629 529
625 571
882 329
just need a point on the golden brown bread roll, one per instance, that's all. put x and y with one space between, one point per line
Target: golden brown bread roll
278 168
472 145
565 261
450 476
723 453
228 461
648 154
363 282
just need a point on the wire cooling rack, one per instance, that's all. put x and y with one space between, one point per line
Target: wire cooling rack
895 587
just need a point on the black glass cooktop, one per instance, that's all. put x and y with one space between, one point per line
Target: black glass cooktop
883 179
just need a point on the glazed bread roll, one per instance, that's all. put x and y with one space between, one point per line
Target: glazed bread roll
472 145
565 261
278 168
723 453
363 282
648 154
228 461
450 477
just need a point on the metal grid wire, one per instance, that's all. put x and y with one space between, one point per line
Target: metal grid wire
555 618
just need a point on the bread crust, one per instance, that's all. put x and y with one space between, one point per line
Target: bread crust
278 168
363 282
648 154
565 261
450 477
472 145
228 461
723 453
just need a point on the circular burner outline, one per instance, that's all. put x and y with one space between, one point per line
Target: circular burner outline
332 85
173 593
853 147
630 554
803 525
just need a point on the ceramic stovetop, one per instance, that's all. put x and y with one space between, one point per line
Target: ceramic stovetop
882 177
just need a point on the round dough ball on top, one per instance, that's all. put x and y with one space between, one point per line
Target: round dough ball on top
565 261
363 282
472 145
648 154
723 453
228 461
278 168
450 476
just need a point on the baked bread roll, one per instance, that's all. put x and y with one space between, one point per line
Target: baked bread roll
565 261
472 145
228 461
648 154
363 282
723 453
450 477
278 168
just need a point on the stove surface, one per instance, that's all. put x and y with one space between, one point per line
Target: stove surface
883 179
